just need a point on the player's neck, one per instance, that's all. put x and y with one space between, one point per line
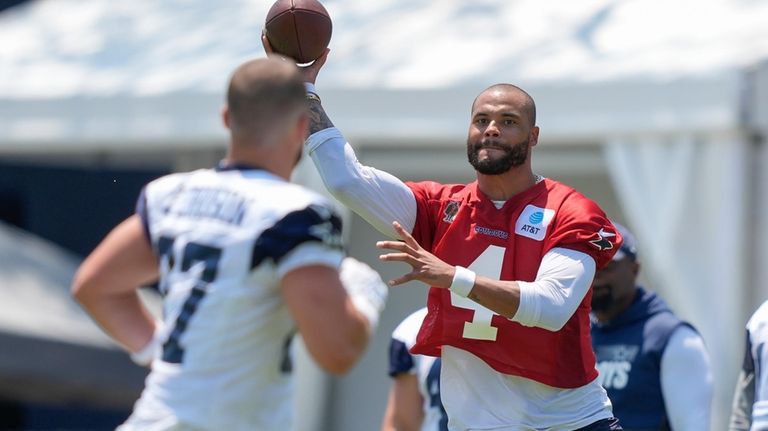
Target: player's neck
263 157
504 186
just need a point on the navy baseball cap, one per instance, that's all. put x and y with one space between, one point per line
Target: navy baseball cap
628 247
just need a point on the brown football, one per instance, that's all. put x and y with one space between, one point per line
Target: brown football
300 29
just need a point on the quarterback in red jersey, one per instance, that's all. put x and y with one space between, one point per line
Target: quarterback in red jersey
509 243
510 260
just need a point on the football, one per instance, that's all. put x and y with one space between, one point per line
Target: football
299 29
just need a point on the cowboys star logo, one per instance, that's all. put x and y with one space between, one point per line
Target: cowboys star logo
602 242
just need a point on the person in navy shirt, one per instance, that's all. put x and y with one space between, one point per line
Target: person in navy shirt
653 365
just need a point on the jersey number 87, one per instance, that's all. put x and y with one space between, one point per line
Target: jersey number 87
200 263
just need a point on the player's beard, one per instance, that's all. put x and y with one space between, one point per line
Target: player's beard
514 155
604 301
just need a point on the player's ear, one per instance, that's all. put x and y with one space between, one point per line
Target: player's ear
302 126
534 139
225 116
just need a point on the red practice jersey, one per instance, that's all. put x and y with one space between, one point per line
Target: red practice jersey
461 226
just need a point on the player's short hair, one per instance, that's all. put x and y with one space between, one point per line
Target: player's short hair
263 93
529 106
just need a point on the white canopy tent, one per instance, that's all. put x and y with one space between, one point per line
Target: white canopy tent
667 99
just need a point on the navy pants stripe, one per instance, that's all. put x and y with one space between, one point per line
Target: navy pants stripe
611 424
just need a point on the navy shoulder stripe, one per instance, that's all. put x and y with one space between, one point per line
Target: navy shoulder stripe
400 359
314 223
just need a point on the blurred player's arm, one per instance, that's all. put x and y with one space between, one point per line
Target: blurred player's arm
744 395
405 406
548 302
686 381
336 313
405 411
107 282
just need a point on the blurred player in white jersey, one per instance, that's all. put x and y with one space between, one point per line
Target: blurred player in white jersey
244 259
414 397
750 402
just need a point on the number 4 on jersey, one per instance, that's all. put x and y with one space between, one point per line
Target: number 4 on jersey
488 264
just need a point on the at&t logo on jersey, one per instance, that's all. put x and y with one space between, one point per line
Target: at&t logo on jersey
533 222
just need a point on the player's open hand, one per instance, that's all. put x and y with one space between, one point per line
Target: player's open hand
309 72
427 268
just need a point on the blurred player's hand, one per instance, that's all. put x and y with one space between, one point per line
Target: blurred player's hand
365 287
151 350
309 72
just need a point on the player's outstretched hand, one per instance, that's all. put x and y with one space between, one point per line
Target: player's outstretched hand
427 268
310 71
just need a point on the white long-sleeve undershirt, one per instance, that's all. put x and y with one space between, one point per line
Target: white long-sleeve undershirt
563 279
377 196
686 381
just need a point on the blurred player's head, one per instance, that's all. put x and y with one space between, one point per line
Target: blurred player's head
614 286
266 105
502 129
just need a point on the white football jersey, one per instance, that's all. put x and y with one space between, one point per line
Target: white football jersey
750 408
224 239
757 328
426 369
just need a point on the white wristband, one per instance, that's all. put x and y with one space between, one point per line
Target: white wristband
310 87
463 281
367 309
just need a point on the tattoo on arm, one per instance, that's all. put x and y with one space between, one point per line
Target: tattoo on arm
318 120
